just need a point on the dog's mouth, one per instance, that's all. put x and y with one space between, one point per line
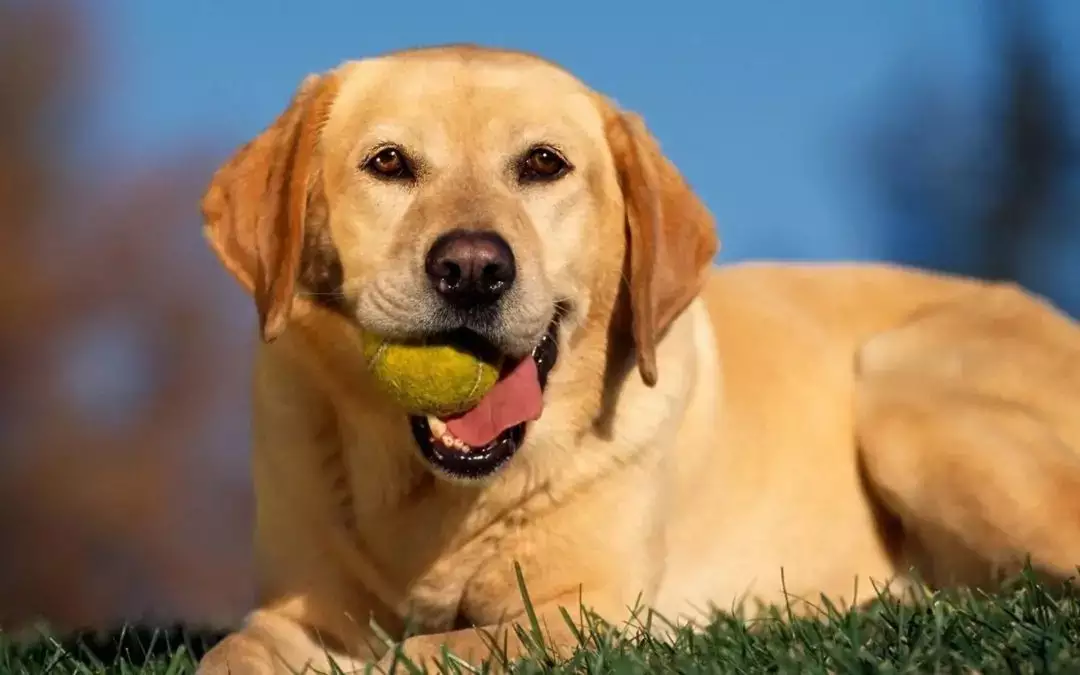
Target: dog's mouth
477 443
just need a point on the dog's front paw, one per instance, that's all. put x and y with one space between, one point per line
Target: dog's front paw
430 652
236 655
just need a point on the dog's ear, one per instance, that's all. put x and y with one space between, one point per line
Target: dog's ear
672 238
256 204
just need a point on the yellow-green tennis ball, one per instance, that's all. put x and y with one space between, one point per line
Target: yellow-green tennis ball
430 378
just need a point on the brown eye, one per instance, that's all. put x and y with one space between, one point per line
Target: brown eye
543 164
389 163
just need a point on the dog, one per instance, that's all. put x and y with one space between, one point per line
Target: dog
671 433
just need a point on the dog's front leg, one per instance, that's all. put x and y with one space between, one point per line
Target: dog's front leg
271 643
558 638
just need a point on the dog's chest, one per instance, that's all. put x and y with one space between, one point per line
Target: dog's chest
450 559
473 585
434 595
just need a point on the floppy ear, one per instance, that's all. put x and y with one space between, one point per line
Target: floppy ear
255 207
671 236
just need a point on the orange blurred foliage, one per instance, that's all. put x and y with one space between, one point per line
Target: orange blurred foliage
123 439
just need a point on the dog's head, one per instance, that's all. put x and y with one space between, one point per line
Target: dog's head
465 192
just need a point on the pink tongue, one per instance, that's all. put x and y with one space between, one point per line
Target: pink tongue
514 399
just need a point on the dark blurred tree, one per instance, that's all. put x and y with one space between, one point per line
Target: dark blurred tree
1036 145
115 361
970 184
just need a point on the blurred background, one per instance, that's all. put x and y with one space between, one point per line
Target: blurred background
932 133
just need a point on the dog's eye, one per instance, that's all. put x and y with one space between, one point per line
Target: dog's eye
389 163
542 164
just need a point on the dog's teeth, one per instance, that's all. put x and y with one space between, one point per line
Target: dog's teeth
438 427
441 434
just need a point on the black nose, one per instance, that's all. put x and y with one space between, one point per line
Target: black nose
470 268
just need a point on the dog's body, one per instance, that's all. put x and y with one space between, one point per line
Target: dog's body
789 430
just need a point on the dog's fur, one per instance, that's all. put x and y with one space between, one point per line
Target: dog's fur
705 430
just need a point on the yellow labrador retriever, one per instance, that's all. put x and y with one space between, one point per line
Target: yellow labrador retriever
668 435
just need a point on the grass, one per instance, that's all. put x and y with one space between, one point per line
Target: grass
1023 629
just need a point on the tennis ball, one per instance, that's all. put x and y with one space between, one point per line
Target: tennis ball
430 377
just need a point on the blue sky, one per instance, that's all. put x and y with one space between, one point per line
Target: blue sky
763 105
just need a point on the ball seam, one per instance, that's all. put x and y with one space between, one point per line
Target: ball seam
476 383
378 352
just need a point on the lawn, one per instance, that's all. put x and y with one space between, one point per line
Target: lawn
1024 629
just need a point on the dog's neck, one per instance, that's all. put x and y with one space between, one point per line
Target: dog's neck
378 445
